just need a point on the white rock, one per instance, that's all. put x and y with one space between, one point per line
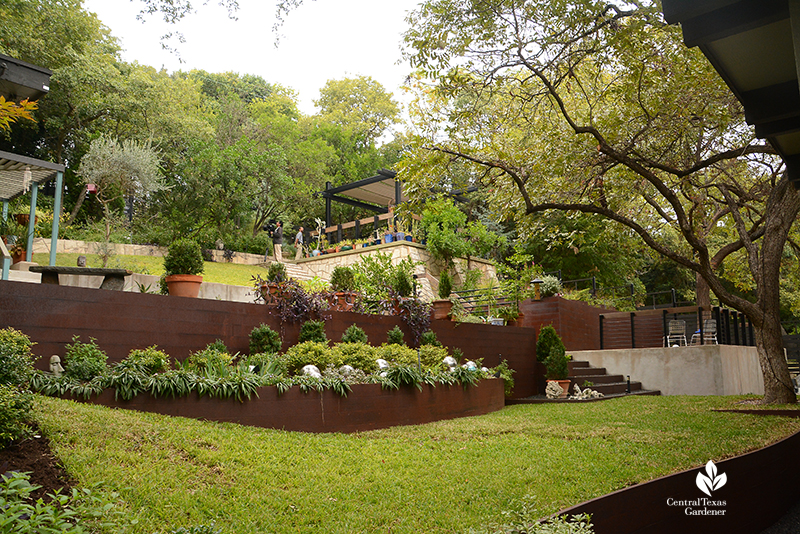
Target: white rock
450 362
382 364
312 370
470 365
346 370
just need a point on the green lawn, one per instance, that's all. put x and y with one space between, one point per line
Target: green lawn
441 477
222 273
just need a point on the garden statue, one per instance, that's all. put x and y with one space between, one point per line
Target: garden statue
81 261
55 365
312 370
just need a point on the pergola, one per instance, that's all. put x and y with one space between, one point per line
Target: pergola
20 174
375 193
753 44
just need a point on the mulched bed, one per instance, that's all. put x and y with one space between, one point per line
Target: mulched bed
33 456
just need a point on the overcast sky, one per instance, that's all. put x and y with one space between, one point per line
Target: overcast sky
321 41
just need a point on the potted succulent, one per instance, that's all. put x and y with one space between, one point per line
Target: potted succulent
183 266
343 284
443 305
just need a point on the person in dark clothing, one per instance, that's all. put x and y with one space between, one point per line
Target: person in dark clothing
277 242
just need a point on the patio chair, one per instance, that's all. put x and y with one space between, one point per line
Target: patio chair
676 333
709 332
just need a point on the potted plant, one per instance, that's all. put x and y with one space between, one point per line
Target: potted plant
271 286
13 235
443 305
557 364
346 245
343 284
183 265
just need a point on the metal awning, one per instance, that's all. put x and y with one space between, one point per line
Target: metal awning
13 168
376 193
752 44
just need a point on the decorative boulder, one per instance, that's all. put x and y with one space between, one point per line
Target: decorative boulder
312 370
470 365
382 364
450 362
346 370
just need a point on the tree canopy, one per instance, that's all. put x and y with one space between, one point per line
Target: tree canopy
597 107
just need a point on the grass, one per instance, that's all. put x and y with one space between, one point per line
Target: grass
221 273
441 477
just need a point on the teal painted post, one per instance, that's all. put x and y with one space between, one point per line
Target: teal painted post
56 217
31 221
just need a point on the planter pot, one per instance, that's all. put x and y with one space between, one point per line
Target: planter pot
24 218
346 247
343 300
315 252
400 236
409 238
17 257
564 385
517 321
184 285
441 309
388 238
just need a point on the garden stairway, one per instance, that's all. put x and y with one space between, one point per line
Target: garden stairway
297 271
582 373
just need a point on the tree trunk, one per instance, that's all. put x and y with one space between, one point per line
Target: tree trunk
78 204
778 387
702 292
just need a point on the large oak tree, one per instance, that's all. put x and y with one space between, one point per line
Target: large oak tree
597 107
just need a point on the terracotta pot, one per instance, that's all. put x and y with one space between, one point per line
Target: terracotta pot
564 385
442 308
184 285
23 219
343 300
17 257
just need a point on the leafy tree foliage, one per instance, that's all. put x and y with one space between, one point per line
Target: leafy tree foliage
595 107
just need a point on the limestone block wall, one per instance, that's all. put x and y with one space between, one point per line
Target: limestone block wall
427 273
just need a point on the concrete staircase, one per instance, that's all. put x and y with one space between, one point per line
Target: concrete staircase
609 385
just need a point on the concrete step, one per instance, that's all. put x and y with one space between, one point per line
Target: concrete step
584 371
597 378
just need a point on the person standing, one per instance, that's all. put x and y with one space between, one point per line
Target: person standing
298 244
277 241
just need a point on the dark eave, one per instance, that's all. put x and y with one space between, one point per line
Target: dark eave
20 80
754 46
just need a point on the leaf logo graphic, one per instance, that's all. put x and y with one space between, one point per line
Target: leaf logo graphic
710 481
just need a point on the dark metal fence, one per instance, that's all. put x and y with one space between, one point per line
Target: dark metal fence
651 328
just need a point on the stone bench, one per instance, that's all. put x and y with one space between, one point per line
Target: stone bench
113 279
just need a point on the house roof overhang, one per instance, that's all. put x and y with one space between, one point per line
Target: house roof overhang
755 47
20 80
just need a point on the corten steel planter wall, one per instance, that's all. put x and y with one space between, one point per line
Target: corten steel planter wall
121 321
761 487
366 407
576 322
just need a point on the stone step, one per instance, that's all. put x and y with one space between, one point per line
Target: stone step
583 371
597 379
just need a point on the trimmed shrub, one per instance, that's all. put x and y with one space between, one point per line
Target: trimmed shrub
557 363
445 285
313 331
431 356
548 338
276 272
357 355
218 345
84 361
395 336
264 339
343 279
209 361
397 354
354 334
150 360
402 283
15 405
429 338
308 352
183 257
16 360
